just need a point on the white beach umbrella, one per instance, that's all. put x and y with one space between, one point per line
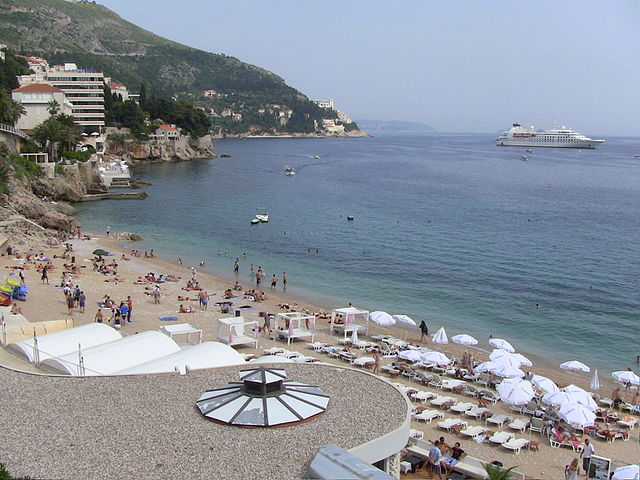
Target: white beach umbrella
576 414
405 319
523 360
382 318
354 335
628 472
410 355
440 336
556 398
581 396
505 358
486 367
575 366
545 384
507 371
595 381
626 376
515 392
464 339
501 344
435 357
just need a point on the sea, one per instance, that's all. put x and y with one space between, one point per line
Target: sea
446 228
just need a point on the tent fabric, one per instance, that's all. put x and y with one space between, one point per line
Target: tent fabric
204 355
110 358
65 342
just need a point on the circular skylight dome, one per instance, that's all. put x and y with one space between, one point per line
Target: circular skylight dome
263 399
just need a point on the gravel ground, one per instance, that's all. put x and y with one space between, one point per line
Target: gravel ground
148 427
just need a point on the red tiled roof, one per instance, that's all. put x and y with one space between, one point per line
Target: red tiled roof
167 127
115 84
37 87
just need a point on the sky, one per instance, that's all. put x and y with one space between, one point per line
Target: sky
457 65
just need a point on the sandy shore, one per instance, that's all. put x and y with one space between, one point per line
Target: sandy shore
46 302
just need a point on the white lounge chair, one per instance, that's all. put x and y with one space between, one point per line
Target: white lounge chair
428 415
473 432
451 383
461 407
500 437
516 444
498 420
449 423
441 401
477 412
422 396
520 424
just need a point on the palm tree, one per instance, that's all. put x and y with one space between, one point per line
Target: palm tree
497 473
54 108
48 133
70 133
10 110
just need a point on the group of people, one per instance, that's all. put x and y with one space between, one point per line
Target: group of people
120 313
442 457
74 298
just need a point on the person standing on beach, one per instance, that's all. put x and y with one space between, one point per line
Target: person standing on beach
284 280
274 281
99 317
376 363
130 305
586 453
425 331
82 301
156 294
70 304
45 274
236 266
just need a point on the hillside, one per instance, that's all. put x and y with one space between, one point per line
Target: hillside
92 36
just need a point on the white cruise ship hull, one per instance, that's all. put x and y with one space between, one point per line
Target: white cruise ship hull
507 142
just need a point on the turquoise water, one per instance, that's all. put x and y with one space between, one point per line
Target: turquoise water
448 228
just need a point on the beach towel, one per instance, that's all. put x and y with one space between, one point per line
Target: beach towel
246 307
168 319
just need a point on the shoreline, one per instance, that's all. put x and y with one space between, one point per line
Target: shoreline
307 301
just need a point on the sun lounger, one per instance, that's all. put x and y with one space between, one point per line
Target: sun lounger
520 424
436 382
516 444
428 415
470 390
413 433
498 420
450 423
364 361
607 402
461 407
450 384
274 351
557 443
422 396
443 401
478 412
611 435
473 432
500 437
629 422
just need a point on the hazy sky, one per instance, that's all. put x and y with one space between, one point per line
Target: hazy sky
458 65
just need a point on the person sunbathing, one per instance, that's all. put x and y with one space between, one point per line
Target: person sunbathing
225 308
16 309
185 310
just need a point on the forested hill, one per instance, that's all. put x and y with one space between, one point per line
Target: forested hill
92 36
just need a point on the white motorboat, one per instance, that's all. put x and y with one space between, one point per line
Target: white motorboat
263 216
524 158
289 171
563 137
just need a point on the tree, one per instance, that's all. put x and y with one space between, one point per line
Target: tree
497 473
48 133
10 110
143 95
53 108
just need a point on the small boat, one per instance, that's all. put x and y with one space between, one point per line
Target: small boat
524 158
225 155
529 150
289 171
316 156
637 155
255 221
262 217
349 217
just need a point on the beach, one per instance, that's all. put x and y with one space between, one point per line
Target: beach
46 302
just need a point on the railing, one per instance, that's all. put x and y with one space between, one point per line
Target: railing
12 130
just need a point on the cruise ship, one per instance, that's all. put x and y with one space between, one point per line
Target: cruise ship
562 137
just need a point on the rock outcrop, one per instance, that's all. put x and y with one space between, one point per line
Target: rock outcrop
182 149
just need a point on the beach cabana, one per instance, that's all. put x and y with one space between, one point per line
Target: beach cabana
182 329
238 331
61 343
292 325
197 357
353 318
112 357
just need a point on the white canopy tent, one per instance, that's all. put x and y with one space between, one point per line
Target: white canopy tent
237 331
182 329
203 355
110 358
292 325
350 316
66 341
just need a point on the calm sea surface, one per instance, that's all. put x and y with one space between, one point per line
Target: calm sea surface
447 228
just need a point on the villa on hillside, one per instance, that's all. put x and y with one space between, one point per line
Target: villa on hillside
35 99
166 132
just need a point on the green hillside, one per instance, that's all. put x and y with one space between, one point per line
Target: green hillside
92 36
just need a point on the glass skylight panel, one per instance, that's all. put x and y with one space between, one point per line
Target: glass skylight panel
226 412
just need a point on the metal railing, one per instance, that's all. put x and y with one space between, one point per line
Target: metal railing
12 130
